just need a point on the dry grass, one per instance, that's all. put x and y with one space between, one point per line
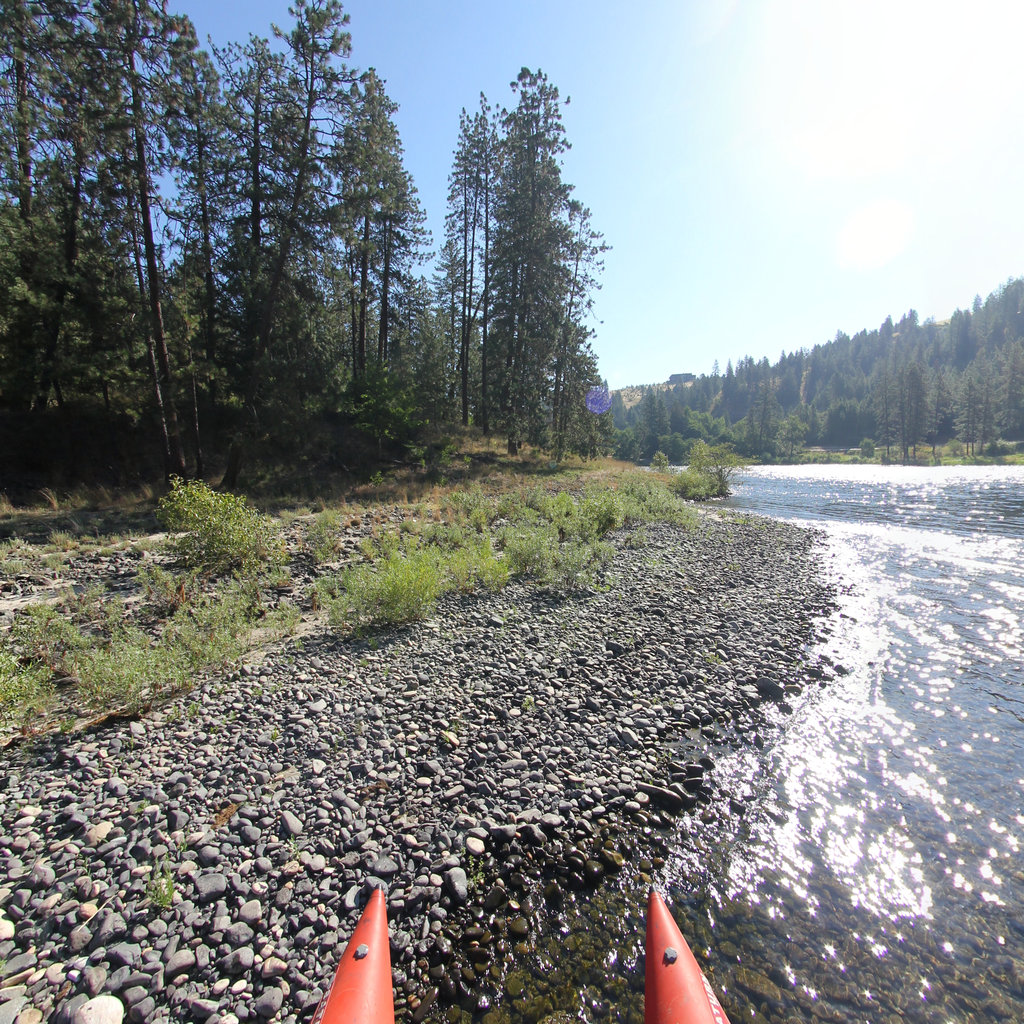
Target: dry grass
459 460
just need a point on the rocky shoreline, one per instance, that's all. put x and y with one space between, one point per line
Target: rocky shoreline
208 861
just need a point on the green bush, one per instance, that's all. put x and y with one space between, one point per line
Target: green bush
691 485
214 630
445 536
217 533
537 553
475 564
576 563
118 665
530 550
24 690
659 461
719 462
468 504
43 636
603 510
165 591
127 670
398 588
646 499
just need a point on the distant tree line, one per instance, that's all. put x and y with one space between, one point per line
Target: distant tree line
224 251
901 387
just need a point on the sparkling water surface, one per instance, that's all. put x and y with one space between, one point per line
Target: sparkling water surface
880 877
877 874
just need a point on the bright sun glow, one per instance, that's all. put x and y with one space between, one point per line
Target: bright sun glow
874 235
862 89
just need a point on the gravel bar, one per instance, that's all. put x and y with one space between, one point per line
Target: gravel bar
208 861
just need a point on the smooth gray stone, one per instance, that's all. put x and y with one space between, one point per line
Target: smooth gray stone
291 825
456 885
211 886
268 1002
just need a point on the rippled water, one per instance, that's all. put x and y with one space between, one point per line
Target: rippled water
880 877
877 875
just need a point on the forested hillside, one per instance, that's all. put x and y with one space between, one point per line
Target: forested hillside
213 260
901 387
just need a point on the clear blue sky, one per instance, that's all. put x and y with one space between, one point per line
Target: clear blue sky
767 172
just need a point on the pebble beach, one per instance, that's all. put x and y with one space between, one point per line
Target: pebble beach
208 860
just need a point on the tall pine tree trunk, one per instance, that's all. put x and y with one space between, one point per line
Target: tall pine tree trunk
55 319
291 225
385 285
485 422
158 394
252 317
22 114
175 453
364 287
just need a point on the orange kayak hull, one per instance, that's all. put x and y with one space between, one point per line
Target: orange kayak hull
361 992
675 989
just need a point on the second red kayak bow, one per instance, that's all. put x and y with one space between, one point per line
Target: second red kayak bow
361 991
675 989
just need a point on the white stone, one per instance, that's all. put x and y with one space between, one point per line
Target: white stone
101 1010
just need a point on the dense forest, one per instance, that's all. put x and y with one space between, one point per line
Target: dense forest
903 387
211 260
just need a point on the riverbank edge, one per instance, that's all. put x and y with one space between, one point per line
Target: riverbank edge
206 863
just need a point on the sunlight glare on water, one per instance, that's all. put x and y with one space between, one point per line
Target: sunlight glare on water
883 855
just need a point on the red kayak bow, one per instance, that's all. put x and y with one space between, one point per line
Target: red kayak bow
675 989
361 990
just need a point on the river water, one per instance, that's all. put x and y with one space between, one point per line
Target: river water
881 876
877 875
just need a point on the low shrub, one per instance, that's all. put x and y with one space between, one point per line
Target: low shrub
475 565
115 664
214 630
467 503
646 499
323 538
603 511
691 485
128 671
719 462
530 550
537 553
25 690
42 636
577 563
166 591
400 587
217 533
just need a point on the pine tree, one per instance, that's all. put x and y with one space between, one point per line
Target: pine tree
137 40
530 238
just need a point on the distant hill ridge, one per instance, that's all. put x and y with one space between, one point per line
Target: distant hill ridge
905 383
